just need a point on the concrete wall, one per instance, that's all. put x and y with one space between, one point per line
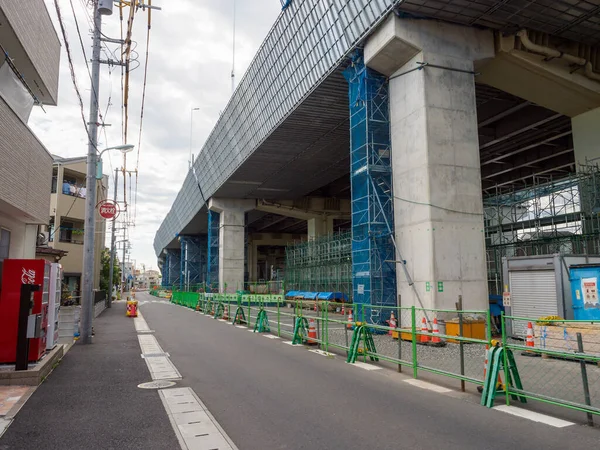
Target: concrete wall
25 168
29 35
22 237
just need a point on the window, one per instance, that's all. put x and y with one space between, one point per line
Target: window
54 180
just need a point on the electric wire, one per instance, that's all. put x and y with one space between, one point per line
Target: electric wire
72 70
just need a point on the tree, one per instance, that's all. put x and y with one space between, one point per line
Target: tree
105 270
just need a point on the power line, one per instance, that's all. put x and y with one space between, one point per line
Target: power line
72 70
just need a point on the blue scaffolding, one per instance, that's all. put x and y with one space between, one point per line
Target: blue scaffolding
373 250
172 269
212 269
194 251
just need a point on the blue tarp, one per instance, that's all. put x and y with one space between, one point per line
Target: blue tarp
330 296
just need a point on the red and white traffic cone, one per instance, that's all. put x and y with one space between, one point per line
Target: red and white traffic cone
392 323
530 342
350 320
312 333
435 338
424 337
343 310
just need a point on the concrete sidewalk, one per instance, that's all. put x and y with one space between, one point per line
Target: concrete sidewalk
92 401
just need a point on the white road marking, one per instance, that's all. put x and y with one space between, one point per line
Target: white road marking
4 424
429 386
222 320
241 326
160 366
271 336
291 343
365 366
194 425
534 416
322 352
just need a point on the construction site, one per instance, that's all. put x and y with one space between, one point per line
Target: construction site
415 177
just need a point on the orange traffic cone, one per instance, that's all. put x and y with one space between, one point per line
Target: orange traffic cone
225 316
424 338
315 306
343 310
312 333
530 342
392 323
350 320
435 338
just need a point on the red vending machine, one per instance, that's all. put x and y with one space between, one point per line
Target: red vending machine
16 272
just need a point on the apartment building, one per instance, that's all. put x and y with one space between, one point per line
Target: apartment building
147 279
29 67
67 217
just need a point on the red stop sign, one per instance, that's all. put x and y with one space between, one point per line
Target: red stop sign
108 209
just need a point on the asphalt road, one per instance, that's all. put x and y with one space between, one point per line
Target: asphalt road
268 395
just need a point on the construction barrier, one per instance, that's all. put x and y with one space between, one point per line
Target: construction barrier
558 362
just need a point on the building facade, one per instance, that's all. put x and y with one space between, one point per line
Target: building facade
67 217
29 68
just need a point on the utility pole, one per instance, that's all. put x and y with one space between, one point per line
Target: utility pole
123 271
87 303
112 247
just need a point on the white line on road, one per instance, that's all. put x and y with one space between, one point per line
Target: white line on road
365 366
194 425
292 344
425 385
270 336
322 352
4 423
241 326
534 416
222 320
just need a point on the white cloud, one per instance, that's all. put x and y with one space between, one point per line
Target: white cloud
190 62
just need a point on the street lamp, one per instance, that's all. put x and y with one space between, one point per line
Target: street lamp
124 149
87 301
191 161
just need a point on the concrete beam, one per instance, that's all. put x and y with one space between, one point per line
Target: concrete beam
532 77
310 208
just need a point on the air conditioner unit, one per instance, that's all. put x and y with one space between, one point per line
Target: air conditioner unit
42 238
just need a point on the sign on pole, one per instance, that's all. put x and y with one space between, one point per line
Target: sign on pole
108 210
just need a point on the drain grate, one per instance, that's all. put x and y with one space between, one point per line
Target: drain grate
159 384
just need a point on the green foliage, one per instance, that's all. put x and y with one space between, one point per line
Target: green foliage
105 270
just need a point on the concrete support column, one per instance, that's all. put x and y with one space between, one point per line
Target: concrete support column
438 209
586 143
320 226
231 241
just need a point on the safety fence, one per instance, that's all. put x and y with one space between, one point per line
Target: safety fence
553 361
402 336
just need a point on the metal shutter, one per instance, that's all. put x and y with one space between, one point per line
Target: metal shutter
533 295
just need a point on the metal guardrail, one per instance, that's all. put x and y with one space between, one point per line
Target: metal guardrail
558 363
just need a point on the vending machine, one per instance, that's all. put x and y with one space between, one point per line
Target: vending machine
16 272
56 276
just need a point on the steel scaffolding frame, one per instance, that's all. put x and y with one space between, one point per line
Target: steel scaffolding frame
373 250
173 266
323 264
194 251
550 216
212 269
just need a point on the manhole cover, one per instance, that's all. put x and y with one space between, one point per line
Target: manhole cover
159 384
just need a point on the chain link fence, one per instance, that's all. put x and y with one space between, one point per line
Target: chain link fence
558 361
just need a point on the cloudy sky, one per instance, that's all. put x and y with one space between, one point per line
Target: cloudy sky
190 61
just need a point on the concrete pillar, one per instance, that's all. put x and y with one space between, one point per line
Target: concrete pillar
231 241
438 208
320 226
586 137
586 144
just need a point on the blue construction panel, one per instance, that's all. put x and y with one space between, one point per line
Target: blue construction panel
373 251
212 269
584 292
